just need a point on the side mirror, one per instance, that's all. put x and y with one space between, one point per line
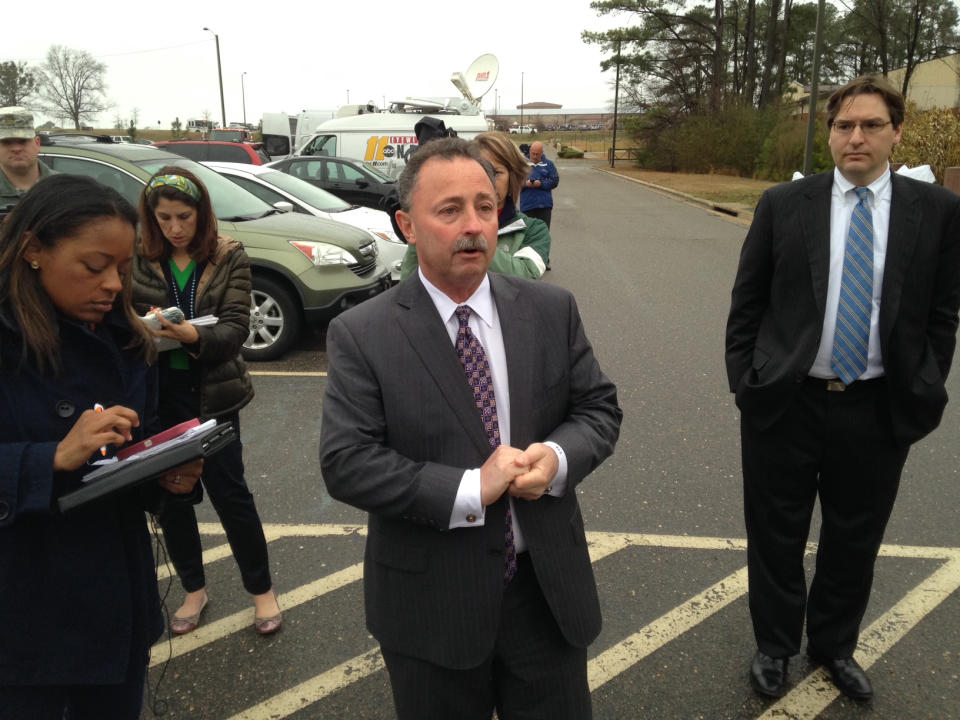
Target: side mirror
283 206
361 183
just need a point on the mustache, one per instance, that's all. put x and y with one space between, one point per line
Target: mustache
477 242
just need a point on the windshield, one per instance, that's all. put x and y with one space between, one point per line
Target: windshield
230 202
225 135
301 189
379 174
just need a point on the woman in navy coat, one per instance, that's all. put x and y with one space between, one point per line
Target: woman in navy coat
78 592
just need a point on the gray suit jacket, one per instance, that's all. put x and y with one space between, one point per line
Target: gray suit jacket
779 299
400 427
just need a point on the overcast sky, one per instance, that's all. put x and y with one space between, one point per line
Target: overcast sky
301 55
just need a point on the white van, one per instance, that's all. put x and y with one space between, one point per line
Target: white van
278 132
384 140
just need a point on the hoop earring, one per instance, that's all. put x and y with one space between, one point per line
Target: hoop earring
35 265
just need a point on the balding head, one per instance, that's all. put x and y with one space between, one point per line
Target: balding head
536 151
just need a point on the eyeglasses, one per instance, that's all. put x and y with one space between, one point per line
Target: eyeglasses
871 127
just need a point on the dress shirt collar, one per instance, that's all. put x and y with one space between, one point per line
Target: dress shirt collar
879 188
481 302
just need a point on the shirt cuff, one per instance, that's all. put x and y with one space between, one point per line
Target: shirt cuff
558 486
468 510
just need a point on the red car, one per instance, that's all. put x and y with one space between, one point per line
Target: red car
223 151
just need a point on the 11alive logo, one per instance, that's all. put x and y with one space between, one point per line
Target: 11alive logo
387 147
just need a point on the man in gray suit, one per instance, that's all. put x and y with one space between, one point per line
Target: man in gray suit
462 410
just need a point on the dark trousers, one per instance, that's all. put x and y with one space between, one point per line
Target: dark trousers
76 702
838 446
533 672
223 480
540 214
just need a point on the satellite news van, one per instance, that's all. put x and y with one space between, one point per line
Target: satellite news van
386 139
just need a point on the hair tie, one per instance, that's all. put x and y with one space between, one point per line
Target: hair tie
178 182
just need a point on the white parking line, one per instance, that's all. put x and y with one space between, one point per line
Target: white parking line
805 702
813 694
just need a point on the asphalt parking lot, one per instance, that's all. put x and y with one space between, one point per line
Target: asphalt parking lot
652 277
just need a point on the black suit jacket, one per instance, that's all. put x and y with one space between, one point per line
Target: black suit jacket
779 297
400 427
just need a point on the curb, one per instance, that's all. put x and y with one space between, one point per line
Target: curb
734 213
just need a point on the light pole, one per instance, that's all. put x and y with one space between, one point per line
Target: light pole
223 108
243 96
521 102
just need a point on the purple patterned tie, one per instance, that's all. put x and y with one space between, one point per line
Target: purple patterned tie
477 369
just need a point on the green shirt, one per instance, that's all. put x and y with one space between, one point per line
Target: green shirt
10 195
178 358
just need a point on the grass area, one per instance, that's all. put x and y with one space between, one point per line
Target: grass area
723 189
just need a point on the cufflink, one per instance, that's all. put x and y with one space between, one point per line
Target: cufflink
471 518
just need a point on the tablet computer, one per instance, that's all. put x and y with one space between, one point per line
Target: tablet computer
198 442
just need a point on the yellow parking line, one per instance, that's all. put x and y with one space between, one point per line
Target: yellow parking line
306 693
669 626
212 631
811 697
805 702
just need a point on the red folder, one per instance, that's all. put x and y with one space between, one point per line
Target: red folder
160 437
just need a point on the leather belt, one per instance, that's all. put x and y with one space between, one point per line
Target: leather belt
836 385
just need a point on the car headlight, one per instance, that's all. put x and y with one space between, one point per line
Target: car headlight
389 236
321 253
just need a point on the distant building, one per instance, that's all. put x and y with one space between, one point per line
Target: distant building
553 118
933 84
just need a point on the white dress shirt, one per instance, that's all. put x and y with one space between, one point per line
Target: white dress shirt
843 200
468 509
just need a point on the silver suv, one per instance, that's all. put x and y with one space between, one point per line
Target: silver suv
305 269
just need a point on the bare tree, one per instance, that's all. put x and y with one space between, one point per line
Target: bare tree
73 84
17 83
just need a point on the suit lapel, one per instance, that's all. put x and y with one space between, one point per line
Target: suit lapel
517 325
902 237
815 230
420 322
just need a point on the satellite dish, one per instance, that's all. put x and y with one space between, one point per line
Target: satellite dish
478 79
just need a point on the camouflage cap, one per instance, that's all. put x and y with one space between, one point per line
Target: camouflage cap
16 122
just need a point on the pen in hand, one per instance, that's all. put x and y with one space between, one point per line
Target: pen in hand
99 408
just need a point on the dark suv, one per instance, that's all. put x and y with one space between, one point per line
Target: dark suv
217 150
305 268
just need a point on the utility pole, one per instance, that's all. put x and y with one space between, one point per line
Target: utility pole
243 96
814 91
223 108
521 102
616 100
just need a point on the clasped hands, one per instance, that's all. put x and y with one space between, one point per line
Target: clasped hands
524 474
94 430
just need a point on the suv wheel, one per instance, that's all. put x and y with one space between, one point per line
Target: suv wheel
274 321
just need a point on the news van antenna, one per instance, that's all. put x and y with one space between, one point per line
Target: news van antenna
478 79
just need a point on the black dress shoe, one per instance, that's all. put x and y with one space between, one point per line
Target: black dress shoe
768 675
847 675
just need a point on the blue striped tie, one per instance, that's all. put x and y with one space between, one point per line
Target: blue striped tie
852 337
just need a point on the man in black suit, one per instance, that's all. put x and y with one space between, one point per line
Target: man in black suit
840 337
462 410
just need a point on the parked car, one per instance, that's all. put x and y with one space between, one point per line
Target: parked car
286 192
523 130
219 150
354 181
121 138
305 269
